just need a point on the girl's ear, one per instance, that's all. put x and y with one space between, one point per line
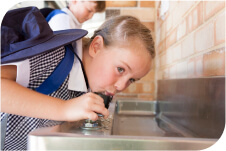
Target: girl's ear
96 45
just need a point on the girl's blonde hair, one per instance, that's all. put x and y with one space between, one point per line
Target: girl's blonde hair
123 29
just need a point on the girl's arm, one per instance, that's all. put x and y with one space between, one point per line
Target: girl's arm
16 99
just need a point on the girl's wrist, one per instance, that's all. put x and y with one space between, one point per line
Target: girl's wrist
64 110
60 111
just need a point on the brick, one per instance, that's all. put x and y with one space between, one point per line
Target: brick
150 25
181 69
189 20
214 63
126 90
162 47
133 88
185 6
181 30
148 97
169 23
163 60
165 73
198 15
148 87
171 39
176 15
139 87
169 56
149 77
147 3
195 17
204 38
124 95
172 71
219 27
143 14
187 46
121 3
212 7
191 68
173 5
199 66
176 52
180 10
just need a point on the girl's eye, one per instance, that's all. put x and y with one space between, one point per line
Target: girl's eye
120 70
132 80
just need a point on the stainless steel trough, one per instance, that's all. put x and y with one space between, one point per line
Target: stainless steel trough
132 125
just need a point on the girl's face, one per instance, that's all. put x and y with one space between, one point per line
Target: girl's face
113 69
83 10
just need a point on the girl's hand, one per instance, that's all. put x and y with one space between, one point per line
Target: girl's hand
84 107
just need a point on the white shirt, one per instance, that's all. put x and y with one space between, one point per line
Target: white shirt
76 79
64 21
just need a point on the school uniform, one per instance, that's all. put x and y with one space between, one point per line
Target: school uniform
64 21
28 42
39 68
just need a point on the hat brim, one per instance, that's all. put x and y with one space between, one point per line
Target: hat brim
60 38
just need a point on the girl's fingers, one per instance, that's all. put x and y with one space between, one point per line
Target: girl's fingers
96 98
100 110
99 101
92 116
85 107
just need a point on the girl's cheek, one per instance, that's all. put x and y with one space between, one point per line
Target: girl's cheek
109 78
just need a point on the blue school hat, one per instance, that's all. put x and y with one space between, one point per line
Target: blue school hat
26 33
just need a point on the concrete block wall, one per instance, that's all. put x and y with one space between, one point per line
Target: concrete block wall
190 40
144 10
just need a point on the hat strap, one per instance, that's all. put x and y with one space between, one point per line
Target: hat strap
56 79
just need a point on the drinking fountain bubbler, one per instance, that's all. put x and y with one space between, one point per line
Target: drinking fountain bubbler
95 125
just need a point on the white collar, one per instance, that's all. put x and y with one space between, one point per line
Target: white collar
76 79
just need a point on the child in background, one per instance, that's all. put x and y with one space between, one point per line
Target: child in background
119 53
77 12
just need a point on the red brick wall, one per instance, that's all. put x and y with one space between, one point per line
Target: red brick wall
190 40
144 10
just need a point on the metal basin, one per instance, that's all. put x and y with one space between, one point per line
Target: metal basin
135 118
132 125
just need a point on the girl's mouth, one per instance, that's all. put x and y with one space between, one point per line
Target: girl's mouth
108 93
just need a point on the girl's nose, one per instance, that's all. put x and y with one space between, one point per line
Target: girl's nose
120 85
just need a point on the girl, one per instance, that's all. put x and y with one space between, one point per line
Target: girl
119 53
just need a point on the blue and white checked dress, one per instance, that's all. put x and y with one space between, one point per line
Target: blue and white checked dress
18 127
